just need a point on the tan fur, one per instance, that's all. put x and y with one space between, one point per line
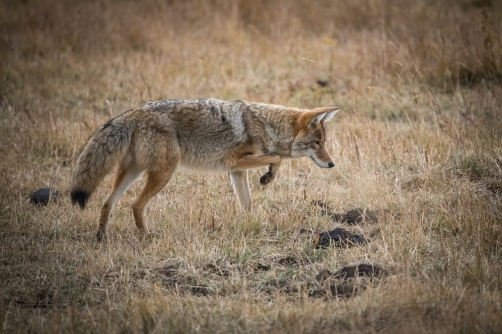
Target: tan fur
205 135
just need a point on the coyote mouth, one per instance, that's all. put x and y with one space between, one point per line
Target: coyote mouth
314 160
329 165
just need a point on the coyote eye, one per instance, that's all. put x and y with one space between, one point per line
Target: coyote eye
317 142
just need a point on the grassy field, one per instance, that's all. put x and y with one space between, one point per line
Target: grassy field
418 140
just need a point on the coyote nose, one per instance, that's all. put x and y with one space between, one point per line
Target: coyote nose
330 165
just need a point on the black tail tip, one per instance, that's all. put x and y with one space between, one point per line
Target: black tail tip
80 197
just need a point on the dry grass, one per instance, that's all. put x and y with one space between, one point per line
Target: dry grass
419 138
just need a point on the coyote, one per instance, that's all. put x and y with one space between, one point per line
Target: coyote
204 135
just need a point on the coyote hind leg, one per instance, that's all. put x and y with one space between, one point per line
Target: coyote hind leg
123 180
155 181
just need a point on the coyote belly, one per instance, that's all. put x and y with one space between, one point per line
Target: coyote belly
205 135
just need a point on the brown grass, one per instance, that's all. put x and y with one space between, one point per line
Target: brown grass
419 138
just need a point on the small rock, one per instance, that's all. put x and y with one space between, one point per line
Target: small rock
42 196
322 83
323 275
351 217
343 290
216 269
292 260
358 216
367 270
257 266
339 237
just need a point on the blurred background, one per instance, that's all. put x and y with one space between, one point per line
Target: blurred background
273 51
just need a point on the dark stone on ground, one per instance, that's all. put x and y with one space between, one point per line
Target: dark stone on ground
293 261
324 275
339 237
343 285
216 269
351 217
367 270
42 196
257 266
359 216
322 83
344 289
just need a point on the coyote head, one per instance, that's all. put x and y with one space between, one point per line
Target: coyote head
311 136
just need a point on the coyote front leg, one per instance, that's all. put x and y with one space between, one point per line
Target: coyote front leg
240 184
259 160
270 175
248 161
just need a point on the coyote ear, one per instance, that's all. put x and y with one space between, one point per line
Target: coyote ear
314 117
317 119
330 114
322 115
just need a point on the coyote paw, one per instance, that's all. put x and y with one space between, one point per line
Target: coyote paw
266 178
102 236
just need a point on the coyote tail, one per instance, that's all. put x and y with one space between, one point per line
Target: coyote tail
101 153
